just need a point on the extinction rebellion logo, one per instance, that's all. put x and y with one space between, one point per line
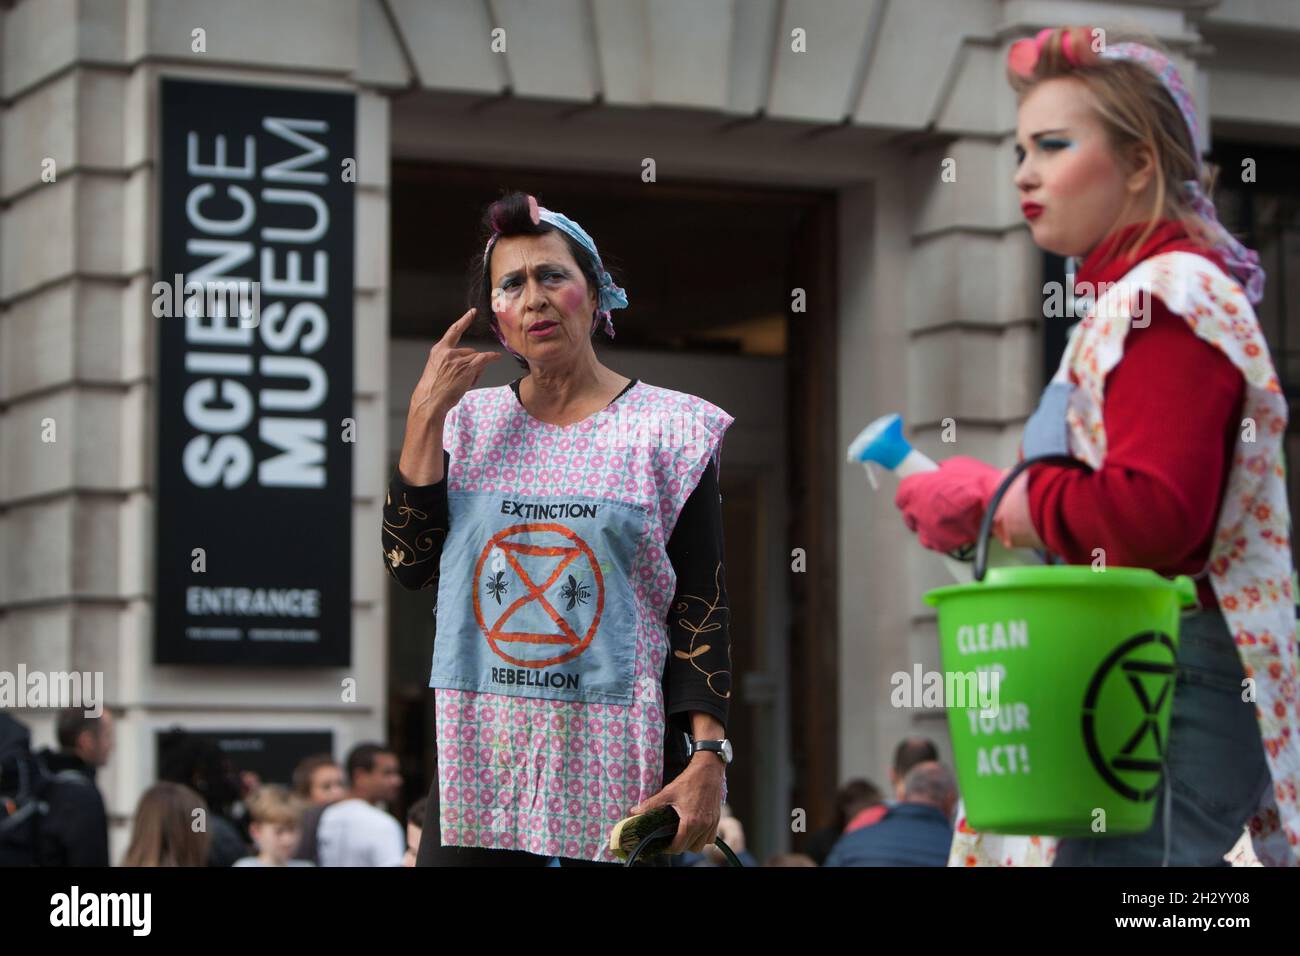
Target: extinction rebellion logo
542 556
1131 688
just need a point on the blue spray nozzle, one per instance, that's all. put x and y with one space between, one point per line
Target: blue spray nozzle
881 442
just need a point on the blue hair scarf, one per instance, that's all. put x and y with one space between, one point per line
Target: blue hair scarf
609 296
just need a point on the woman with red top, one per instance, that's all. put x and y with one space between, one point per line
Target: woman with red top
1167 392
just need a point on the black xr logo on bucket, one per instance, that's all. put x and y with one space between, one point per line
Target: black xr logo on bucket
1150 682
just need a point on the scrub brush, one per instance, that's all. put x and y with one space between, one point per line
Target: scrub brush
651 833
655 828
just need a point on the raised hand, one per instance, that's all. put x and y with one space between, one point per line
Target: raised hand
450 371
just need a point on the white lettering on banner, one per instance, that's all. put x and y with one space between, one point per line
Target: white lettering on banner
1009 718
978 638
220 227
304 236
219 169
290 170
304 313
226 402
1001 761
253 602
303 445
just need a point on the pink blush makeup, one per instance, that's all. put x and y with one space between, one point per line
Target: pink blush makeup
573 298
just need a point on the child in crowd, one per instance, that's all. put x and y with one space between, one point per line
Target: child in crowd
277 817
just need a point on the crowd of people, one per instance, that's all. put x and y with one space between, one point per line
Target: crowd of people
912 829
204 811
332 815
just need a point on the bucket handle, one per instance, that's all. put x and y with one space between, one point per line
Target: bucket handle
986 525
1184 586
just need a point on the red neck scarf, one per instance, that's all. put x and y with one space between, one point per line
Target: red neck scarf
1108 262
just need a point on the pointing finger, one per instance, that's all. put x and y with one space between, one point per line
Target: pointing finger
452 336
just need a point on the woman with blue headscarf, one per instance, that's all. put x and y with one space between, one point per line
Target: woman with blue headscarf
571 522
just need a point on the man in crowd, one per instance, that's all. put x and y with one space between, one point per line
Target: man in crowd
914 832
355 831
75 830
910 752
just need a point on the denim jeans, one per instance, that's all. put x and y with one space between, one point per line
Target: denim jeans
1215 770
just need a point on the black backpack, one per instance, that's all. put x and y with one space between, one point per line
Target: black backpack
25 785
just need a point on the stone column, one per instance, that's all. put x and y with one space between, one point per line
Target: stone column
79 80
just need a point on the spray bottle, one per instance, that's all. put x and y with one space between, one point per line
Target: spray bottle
883 443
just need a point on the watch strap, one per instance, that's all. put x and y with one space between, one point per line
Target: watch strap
712 746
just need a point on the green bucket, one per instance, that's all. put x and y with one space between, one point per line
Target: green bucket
1084 659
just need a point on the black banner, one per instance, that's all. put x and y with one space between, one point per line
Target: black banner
271 754
1221 906
253 306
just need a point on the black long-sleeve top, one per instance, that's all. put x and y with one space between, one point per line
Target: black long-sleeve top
416 519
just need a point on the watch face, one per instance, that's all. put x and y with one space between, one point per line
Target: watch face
726 750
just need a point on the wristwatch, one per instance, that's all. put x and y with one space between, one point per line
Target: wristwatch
720 747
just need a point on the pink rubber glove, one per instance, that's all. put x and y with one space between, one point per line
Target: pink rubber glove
945 507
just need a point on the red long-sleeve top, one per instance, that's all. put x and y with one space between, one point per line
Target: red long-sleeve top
1172 409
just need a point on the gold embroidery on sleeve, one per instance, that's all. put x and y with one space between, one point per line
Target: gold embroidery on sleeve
409 553
703 627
